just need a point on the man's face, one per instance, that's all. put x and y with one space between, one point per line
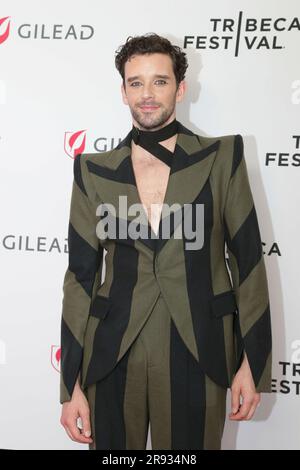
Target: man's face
150 90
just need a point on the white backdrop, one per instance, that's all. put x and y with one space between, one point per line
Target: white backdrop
57 78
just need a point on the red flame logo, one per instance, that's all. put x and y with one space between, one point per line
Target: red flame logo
58 354
74 143
4 35
55 357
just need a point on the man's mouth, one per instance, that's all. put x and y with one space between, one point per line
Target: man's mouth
149 107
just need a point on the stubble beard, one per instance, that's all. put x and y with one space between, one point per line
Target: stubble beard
154 120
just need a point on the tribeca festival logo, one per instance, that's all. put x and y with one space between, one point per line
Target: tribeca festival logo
288 380
253 34
282 159
37 31
55 357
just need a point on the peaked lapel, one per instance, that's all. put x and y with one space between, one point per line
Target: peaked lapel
191 166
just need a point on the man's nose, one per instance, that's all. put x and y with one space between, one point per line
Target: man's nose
147 91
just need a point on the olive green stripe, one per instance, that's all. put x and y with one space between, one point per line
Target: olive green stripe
239 200
135 399
252 295
144 292
179 306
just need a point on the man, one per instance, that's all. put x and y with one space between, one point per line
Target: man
171 328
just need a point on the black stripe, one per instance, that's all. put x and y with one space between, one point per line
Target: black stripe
84 260
159 151
209 330
188 396
258 344
77 173
238 152
109 333
239 343
122 174
183 160
71 356
246 245
110 432
203 153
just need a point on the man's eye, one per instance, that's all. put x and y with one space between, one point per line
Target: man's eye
137 83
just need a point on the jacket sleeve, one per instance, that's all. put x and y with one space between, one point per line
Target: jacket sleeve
85 259
246 263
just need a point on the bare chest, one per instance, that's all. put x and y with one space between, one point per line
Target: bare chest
152 179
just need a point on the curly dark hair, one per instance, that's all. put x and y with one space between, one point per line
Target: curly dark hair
148 44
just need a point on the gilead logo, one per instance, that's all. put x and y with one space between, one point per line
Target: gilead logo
81 32
74 143
4 28
55 357
55 31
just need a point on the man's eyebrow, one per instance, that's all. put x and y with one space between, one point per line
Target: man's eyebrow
136 77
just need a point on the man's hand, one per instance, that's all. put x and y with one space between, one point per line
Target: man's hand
77 407
243 385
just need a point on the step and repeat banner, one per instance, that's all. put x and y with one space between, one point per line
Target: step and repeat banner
60 94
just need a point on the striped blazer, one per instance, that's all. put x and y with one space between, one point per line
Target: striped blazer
217 295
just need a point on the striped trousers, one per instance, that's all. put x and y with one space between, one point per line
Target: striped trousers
157 382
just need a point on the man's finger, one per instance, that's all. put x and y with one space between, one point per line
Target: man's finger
235 400
86 425
76 434
68 432
244 410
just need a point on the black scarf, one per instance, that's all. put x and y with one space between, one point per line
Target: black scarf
149 140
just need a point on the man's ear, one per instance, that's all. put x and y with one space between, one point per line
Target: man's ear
181 91
124 96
